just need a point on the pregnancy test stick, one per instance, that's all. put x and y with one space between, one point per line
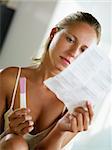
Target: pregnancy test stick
22 92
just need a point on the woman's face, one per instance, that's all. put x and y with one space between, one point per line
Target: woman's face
69 43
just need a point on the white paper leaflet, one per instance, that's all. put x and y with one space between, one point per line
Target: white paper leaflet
87 78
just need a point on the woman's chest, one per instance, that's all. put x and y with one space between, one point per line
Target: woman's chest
45 107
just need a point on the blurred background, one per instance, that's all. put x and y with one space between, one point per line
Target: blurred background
24 24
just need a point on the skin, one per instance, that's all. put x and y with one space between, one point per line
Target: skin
66 45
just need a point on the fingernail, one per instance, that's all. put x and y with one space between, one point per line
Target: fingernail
28 109
89 103
31 123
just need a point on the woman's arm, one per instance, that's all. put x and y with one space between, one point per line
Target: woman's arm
87 118
20 121
54 140
2 103
6 89
67 128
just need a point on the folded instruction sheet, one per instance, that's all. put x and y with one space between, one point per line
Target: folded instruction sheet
88 77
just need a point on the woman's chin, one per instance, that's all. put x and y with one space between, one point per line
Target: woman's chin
61 67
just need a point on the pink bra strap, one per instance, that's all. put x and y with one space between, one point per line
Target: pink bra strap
15 88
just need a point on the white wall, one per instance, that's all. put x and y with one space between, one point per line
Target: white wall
26 32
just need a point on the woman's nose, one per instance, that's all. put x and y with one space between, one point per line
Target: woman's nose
74 52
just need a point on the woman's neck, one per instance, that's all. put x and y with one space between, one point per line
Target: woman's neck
46 70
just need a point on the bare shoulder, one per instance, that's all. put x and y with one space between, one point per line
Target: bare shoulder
7 77
8 74
11 72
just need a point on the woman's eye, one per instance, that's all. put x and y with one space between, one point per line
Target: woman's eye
70 40
83 49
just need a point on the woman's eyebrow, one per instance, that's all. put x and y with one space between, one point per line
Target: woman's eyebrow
73 36
76 38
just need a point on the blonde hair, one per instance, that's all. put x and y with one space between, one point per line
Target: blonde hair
70 20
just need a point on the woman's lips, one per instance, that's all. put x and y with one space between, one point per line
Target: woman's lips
65 60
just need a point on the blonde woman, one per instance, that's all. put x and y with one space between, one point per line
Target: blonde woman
45 124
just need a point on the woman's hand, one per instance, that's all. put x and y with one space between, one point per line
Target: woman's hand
20 121
77 121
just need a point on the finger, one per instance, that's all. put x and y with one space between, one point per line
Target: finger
90 110
74 124
19 112
81 110
19 120
80 122
27 130
86 120
84 110
85 115
26 125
